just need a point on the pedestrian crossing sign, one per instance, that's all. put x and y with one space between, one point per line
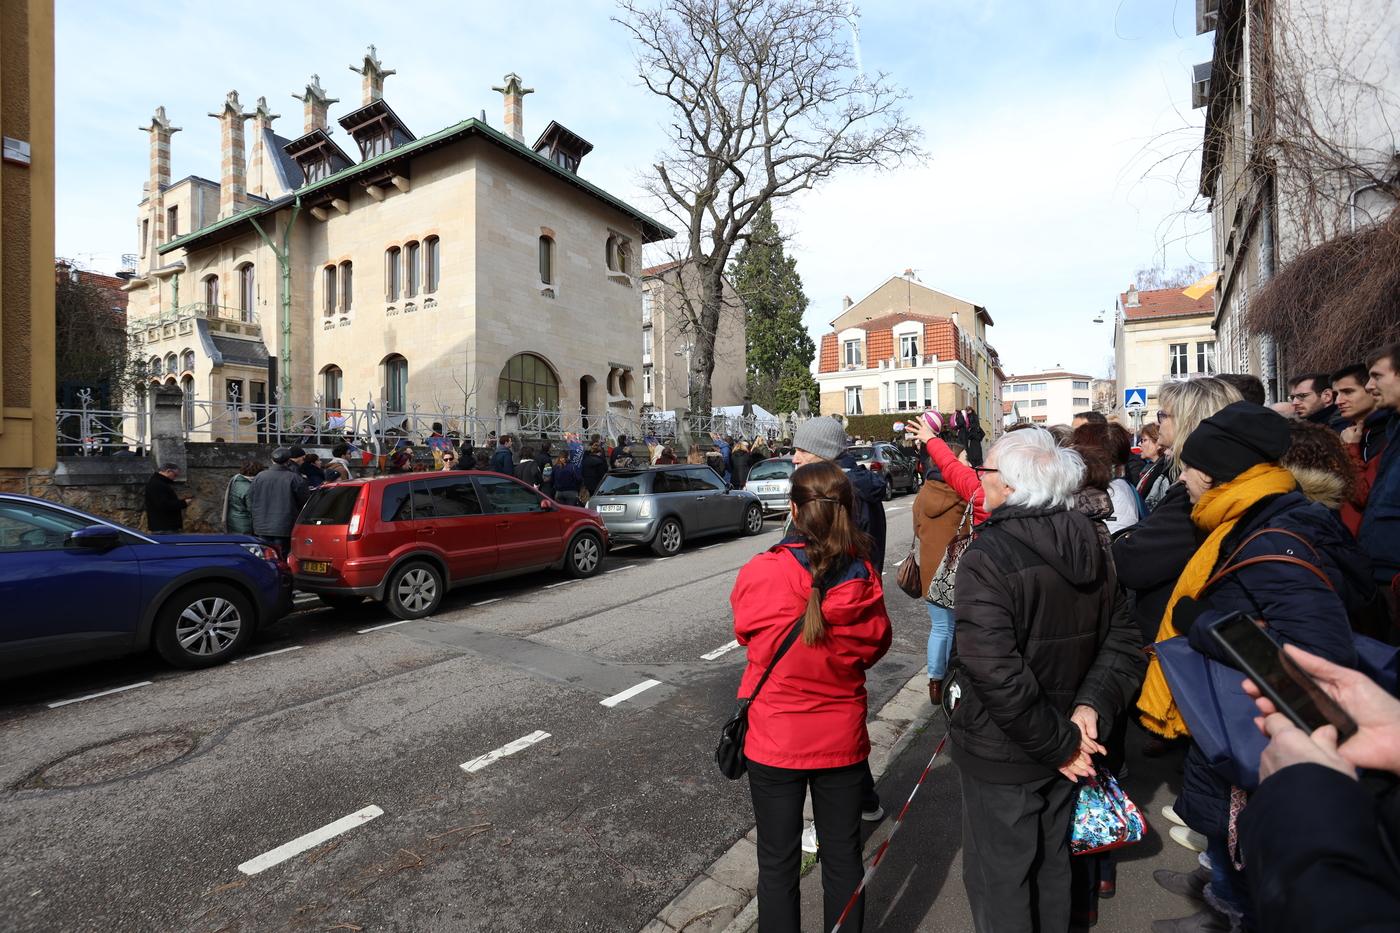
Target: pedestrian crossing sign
1134 398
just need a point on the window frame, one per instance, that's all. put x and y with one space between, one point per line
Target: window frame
908 346
859 408
328 287
347 282
1184 369
328 400
484 484
413 276
1206 357
393 274
247 291
209 289
852 353
395 387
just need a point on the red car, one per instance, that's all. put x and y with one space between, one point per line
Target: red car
406 540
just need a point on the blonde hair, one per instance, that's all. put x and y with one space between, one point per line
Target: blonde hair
1190 403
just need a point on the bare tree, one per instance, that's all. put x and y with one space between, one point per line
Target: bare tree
766 100
1149 278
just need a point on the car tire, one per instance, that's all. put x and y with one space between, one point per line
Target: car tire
753 520
414 590
669 538
342 601
203 625
889 490
585 555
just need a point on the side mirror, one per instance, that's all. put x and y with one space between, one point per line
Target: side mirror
94 538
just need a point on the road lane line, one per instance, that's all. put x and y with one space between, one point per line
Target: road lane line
103 693
487 602
620 569
375 628
706 547
722 649
266 654
510 748
629 693
550 586
309 841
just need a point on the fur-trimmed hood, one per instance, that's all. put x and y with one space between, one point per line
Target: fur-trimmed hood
1320 486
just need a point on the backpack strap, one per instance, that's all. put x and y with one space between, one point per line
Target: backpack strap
1270 531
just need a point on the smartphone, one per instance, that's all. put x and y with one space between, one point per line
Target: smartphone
1291 690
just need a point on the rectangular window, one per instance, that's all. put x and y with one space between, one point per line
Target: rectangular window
410 255
646 307
908 346
452 498
329 287
648 381
1039 403
853 400
703 479
1021 387
347 293
928 393
1081 403
852 354
172 222
432 263
906 394
508 496
1080 385
1176 353
1205 357
1037 387
646 342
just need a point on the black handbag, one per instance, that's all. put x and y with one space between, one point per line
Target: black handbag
729 754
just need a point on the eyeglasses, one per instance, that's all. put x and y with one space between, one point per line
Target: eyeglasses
1301 396
1162 416
982 471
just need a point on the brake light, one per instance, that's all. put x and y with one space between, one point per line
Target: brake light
876 466
357 517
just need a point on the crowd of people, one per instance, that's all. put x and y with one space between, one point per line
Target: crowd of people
1078 550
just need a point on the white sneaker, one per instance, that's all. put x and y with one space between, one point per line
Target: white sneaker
809 840
1170 813
1188 838
873 816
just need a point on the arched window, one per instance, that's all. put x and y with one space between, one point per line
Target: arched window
187 388
610 254
211 291
246 291
347 292
187 361
328 286
546 260
411 279
395 383
332 381
624 256
529 381
432 264
391 273
172 365
155 367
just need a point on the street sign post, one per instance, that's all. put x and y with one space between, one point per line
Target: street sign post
1135 399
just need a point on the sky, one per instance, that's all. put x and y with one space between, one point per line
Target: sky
1062 153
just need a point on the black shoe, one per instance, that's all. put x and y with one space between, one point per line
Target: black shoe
1190 884
1206 921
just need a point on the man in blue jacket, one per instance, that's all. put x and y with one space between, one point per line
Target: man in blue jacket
1379 535
503 461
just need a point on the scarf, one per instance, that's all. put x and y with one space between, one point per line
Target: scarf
1217 512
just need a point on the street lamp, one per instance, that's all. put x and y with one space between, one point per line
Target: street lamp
1098 318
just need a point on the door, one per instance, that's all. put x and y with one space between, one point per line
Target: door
527 533
61 600
715 509
671 491
897 467
457 524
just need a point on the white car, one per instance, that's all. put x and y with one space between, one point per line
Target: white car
771 481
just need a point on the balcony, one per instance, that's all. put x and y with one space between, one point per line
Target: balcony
910 362
171 321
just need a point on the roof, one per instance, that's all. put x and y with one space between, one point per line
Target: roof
1052 374
558 132
224 349
651 229
1164 303
663 267
981 311
287 169
886 321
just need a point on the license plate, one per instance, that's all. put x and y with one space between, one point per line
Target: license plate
612 508
315 566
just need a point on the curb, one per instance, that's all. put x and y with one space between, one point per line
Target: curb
721 898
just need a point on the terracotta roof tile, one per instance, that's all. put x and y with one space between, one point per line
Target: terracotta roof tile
1166 302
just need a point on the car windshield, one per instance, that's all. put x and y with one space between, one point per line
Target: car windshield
861 454
771 469
623 484
330 505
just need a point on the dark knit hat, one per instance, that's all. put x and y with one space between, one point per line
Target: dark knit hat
1239 436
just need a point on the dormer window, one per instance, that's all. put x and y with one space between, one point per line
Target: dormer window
376 129
317 156
562 147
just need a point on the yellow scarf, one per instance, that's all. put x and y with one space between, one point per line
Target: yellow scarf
1217 512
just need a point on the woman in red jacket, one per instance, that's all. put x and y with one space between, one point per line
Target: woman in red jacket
807 725
956 473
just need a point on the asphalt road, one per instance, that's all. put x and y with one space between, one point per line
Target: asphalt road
318 782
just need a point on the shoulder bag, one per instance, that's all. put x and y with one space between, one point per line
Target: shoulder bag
940 588
729 754
907 574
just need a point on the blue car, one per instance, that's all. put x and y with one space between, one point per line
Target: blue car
75 588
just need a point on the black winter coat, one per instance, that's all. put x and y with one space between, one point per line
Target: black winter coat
1041 627
870 509
165 511
739 467
1319 851
594 469
1151 555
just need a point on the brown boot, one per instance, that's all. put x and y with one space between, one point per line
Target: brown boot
935 692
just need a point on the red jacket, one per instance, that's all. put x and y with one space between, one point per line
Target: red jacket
811 712
961 477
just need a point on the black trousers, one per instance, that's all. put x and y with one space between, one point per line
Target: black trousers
778 795
1016 854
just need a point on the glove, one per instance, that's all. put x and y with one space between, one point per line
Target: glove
1185 614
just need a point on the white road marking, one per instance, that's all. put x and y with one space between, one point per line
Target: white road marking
309 841
510 748
620 569
660 560
93 696
487 602
550 586
706 547
375 628
629 693
266 654
722 649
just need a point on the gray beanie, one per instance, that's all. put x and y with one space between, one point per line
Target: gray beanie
824 437
281 455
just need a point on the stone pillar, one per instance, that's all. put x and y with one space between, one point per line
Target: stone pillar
683 440
515 105
373 73
160 131
233 180
258 171
168 427
316 105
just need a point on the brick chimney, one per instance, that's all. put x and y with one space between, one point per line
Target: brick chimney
258 167
373 72
161 131
317 105
233 179
515 106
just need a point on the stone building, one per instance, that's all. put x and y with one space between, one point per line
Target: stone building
1162 335
907 347
667 343
460 271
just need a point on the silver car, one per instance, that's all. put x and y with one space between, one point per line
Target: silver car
664 506
771 481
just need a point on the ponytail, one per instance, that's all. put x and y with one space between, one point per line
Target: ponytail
825 500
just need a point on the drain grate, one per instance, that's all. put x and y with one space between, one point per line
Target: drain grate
114 759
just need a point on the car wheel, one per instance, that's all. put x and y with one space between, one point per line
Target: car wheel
203 625
585 556
669 538
753 519
889 490
342 601
414 591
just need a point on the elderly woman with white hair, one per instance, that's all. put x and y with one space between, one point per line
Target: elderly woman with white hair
1046 656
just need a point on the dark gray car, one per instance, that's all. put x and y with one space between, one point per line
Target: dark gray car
900 472
664 506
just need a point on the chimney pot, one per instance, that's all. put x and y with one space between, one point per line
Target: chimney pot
846 303
233 181
373 72
316 105
515 105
